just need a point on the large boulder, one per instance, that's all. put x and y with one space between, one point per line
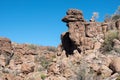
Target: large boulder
105 71
115 64
27 68
116 45
73 15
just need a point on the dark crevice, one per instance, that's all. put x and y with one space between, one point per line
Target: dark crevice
68 45
112 68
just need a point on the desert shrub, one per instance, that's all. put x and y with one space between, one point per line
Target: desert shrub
117 50
118 78
116 14
5 70
16 57
107 18
116 17
109 37
44 62
43 76
84 72
41 60
32 46
53 49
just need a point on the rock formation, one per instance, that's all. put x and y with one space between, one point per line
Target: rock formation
80 56
84 35
81 35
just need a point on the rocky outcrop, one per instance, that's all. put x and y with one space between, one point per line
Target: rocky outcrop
20 61
73 15
87 38
81 35
78 57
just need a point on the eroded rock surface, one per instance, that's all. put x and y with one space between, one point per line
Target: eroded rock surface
78 57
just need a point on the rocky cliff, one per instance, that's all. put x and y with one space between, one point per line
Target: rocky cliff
88 51
82 35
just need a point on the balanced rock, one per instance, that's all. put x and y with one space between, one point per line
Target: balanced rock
73 15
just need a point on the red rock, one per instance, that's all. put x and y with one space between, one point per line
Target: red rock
91 30
27 68
73 15
116 64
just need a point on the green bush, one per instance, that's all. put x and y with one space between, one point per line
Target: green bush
84 72
107 18
43 76
53 49
109 37
116 17
32 46
118 78
43 61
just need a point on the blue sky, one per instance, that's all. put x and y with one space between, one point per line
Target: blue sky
39 21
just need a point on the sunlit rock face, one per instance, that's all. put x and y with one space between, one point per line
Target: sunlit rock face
81 34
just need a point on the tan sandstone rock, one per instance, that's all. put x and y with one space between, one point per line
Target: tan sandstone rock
27 68
116 64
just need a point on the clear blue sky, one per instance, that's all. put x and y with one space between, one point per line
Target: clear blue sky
39 21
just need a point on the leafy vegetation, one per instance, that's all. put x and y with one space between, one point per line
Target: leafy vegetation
116 14
43 61
118 78
32 46
116 17
53 49
43 76
109 37
84 72
107 18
